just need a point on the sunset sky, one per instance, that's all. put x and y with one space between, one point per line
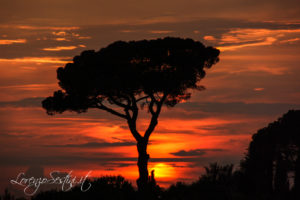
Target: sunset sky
255 82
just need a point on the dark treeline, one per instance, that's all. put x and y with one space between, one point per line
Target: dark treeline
270 170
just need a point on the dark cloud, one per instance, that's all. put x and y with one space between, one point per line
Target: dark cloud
66 159
239 107
195 152
35 171
27 102
240 128
181 131
102 159
94 145
130 12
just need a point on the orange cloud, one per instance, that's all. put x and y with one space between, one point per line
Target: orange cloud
84 37
45 27
62 48
266 69
38 59
30 87
258 89
267 41
209 38
61 39
161 31
65 36
247 35
290 40
59 33
18 41
255 37
127 31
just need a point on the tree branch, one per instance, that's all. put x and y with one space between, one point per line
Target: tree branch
135 109
131 120
145 97
112 111
134 132
155 115
151 107
119 103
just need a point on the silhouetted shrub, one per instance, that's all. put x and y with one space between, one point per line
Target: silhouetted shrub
104 188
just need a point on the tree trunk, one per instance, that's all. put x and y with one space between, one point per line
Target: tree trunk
142 163
281 183
297 176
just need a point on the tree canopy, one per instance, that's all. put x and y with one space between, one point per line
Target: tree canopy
125 73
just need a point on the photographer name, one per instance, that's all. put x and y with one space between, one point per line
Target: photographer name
66 182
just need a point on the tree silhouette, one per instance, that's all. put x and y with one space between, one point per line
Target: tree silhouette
218 173
127 76
273 154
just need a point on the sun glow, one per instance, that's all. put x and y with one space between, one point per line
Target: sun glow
162 170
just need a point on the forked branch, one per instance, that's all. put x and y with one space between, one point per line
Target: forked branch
154 114
110 110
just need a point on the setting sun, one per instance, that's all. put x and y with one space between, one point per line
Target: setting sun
162 170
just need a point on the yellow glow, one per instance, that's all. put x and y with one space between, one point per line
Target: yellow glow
162 170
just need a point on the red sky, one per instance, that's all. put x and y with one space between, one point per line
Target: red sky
255 82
